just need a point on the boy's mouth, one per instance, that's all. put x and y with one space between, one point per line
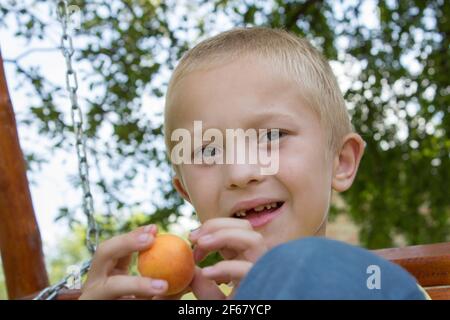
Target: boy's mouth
260 214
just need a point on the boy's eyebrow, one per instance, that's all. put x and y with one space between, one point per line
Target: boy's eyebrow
256 120
270 115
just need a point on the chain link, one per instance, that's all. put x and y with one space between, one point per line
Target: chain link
77 120
92 231
51 292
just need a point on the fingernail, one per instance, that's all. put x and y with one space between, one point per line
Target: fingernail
205 239
150 228
144 237
197 255
194 232
158 284
208 271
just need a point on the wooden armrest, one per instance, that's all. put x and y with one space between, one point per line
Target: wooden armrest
439 293
429 264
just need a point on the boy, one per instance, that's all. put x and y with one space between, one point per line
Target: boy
278 85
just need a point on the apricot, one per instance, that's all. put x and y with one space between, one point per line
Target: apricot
169 258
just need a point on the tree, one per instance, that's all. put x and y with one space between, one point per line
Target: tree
398 99
403 183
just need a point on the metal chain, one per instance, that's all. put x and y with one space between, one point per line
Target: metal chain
77 120
51 292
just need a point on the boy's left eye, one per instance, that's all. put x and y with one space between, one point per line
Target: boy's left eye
271 135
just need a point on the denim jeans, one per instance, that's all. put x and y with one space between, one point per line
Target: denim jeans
319 268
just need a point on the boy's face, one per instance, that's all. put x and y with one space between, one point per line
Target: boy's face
246 94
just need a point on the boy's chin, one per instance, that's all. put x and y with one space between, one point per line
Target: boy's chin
274 240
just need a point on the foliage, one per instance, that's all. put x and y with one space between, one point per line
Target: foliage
403 183
3 292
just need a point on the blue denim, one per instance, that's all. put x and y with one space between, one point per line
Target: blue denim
319 268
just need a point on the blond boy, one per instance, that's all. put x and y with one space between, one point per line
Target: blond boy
269 80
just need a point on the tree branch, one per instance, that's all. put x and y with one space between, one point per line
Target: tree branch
28 52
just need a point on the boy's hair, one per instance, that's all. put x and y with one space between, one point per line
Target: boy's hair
288 55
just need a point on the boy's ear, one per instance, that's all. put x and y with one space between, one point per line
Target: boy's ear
178 185
346 162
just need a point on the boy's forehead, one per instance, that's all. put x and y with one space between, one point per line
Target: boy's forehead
227 80
237 91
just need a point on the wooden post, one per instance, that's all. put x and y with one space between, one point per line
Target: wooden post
20 240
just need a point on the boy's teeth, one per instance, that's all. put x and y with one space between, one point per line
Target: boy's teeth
271 205
241 213
266 206
259 208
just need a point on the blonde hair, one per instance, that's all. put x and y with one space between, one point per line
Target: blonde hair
288 55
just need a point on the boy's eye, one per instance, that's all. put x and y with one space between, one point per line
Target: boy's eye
206 152
209 151
271 135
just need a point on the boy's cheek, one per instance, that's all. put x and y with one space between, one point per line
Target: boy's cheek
208 210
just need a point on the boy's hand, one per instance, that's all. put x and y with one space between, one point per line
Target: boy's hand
108 276
236 241
202 287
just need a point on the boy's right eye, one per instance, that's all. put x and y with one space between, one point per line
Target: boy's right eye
207 151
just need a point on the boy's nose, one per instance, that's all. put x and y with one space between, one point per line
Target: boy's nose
241 175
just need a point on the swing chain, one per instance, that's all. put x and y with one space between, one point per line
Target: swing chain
51 292
77 120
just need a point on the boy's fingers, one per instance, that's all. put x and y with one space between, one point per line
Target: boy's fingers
173 296
116 251
199 254
213 225
123 263
204 288
249 243
122 285
227 271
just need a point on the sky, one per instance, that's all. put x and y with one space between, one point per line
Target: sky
50 186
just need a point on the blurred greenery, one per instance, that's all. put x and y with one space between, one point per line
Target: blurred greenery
3 294
398 99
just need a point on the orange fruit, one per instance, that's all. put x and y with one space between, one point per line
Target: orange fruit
169 258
